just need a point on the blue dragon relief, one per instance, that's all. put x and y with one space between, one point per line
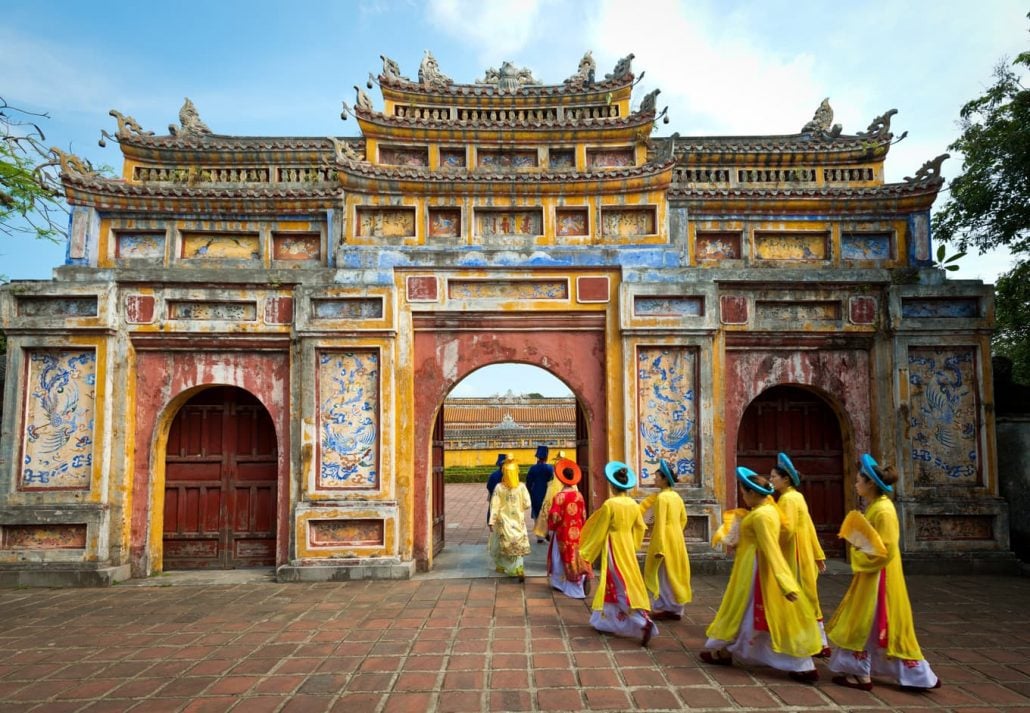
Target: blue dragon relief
58 435
667 427
944 428
349 423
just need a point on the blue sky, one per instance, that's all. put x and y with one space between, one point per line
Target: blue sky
272 68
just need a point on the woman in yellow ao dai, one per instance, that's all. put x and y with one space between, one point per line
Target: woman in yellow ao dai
613 534
873 625
798 539
667 565
762 618
509 541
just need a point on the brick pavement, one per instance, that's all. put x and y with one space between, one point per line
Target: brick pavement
453 645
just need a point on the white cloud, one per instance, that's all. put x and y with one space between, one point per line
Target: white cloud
495 28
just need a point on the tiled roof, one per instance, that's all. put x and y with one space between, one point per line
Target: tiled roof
886 190
481 175
377 117
489 90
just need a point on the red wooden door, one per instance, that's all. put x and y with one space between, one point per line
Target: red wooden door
221 468
800 423
438 485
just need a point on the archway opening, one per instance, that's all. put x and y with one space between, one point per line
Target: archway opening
509 408
799 422
221 483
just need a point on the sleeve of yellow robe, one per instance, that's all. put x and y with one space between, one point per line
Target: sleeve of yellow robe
767 538
799 544
554 486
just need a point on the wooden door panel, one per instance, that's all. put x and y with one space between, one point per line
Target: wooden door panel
437 476
221 476
798 422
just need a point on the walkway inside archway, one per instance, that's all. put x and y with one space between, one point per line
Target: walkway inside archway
465 556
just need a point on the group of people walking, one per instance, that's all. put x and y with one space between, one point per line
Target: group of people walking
770 613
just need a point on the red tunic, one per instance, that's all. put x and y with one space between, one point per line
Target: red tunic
565 519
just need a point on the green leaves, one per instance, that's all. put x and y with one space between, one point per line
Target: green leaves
945 263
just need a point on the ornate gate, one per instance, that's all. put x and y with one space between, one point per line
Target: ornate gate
797 421
220 483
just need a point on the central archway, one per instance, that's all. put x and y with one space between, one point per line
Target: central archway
449 348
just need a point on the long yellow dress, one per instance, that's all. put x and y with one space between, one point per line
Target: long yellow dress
616 528
667 546
853 621
509 542
800 545
792 626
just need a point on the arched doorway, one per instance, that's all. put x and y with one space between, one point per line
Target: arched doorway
799 422
476 422
221 474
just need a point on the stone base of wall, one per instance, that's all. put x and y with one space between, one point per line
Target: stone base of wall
41 576
961 563
345 571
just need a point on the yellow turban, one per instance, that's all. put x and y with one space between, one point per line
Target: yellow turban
510 474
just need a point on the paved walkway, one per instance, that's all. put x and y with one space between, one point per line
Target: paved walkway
239 641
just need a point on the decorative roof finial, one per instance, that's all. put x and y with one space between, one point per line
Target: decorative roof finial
429 74
623 68
127 127
191 124
72 165
392 70
647 105
820 125
508 78
929 171
363 101
584 75
880 128
344 151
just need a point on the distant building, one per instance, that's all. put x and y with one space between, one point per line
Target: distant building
477 429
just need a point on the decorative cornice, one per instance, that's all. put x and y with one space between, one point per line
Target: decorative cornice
909 196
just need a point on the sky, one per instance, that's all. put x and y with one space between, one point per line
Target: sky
724 67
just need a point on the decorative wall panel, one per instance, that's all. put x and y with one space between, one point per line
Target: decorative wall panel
628 222
57 445
571 221
140 246
348 415
57 306
213 311
865 246
444 222
404 156
503 159
954 527
667 411
611 158
386 222
297 247
718 246
347 308
508 290
791 246
944 417
504 223
562 159
452 158
940 307
43 537
422 288
657 306
789 312
211 246
346 533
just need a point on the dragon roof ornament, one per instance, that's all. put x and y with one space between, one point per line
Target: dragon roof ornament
190 122
72 165
880 127
508 78
392 70
429 74
821 126
623 68
929 171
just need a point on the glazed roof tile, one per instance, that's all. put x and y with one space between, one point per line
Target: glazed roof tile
489 90
363 168
681 191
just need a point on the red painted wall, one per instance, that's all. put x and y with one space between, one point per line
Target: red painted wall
840 377
163 375
444 358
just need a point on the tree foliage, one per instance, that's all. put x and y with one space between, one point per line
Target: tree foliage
1012 312
30 187
989 202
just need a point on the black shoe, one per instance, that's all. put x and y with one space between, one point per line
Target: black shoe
645 638
808 677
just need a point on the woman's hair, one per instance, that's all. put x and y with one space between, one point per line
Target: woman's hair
760 479
781 471
568 473
886 473
622 476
